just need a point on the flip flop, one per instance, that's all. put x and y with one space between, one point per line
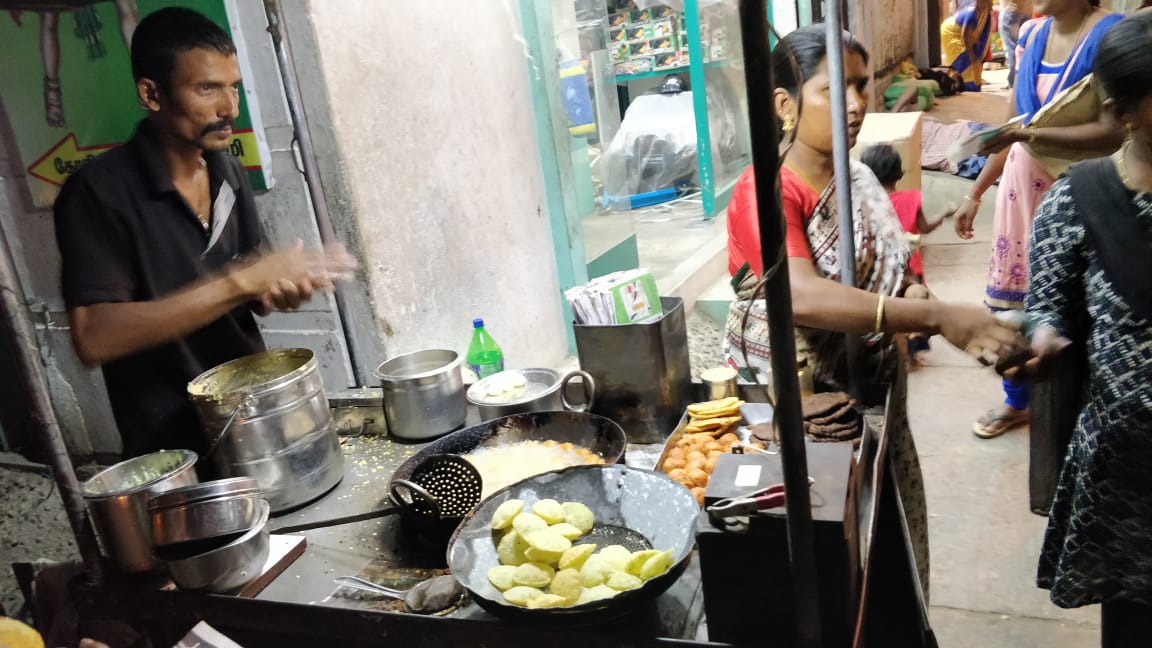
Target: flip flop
996 422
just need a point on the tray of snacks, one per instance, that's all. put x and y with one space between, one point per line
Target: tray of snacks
706 431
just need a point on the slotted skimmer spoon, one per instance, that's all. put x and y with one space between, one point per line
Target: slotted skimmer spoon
442 486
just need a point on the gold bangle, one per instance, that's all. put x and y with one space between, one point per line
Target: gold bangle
879 315
1032 134
975 200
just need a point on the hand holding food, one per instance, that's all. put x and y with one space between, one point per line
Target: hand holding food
541 568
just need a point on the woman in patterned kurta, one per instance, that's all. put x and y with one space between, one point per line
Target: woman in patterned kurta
1098 547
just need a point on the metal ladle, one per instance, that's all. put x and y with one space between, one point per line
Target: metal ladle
428 597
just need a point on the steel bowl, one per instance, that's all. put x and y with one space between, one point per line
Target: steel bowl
544 391
205 511
117 501
423 394
225 568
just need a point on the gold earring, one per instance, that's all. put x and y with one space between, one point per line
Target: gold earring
788 125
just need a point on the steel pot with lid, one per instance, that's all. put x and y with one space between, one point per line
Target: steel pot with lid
528 390
266 416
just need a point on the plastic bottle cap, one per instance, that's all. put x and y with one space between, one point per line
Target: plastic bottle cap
477 323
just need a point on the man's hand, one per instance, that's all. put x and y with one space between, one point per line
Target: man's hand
286 279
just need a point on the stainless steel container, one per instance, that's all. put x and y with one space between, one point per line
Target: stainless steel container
117 500
203 511
642 372
269 409
358 412
423 393
225 568
299 473
544 391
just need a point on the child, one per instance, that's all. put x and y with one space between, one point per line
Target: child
885 162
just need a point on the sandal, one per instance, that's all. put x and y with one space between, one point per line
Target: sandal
996 422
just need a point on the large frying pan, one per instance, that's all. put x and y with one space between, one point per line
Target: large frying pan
645 503
590 431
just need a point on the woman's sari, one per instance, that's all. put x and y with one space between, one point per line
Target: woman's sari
882 255
965 38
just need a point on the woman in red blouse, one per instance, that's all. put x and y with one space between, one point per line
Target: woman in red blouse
881 303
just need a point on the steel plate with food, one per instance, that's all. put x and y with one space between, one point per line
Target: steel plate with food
576 545
708 430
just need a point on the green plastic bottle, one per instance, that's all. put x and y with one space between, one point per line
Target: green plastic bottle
484 355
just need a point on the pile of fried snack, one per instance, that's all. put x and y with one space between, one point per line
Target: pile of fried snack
711 432
831 417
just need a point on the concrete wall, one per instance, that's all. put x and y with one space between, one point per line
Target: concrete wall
432 126
888 28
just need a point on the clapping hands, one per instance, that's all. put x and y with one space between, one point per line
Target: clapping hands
285 279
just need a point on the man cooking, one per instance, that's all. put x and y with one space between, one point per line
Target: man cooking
164 261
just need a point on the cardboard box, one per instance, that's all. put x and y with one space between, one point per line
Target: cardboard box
902 132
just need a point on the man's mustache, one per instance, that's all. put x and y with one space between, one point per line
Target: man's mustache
219 126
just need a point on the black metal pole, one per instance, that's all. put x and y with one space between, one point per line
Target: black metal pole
34 384
843 178
778 296
311 171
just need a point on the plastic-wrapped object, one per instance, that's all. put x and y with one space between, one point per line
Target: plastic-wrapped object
655 147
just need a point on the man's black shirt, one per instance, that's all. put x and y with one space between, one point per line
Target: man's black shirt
126 235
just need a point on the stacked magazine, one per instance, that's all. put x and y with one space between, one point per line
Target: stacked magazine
626 297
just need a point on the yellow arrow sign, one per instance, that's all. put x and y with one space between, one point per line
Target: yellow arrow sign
63 159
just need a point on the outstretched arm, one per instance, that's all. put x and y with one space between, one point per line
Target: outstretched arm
103 332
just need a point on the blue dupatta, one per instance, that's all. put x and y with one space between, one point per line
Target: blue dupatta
1076 67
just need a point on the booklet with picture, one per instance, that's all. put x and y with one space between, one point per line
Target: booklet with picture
973 144
625 297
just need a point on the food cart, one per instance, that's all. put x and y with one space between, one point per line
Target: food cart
298 603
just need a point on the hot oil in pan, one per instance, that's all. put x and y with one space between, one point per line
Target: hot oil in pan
506 464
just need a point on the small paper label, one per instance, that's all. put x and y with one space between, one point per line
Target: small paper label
748 475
